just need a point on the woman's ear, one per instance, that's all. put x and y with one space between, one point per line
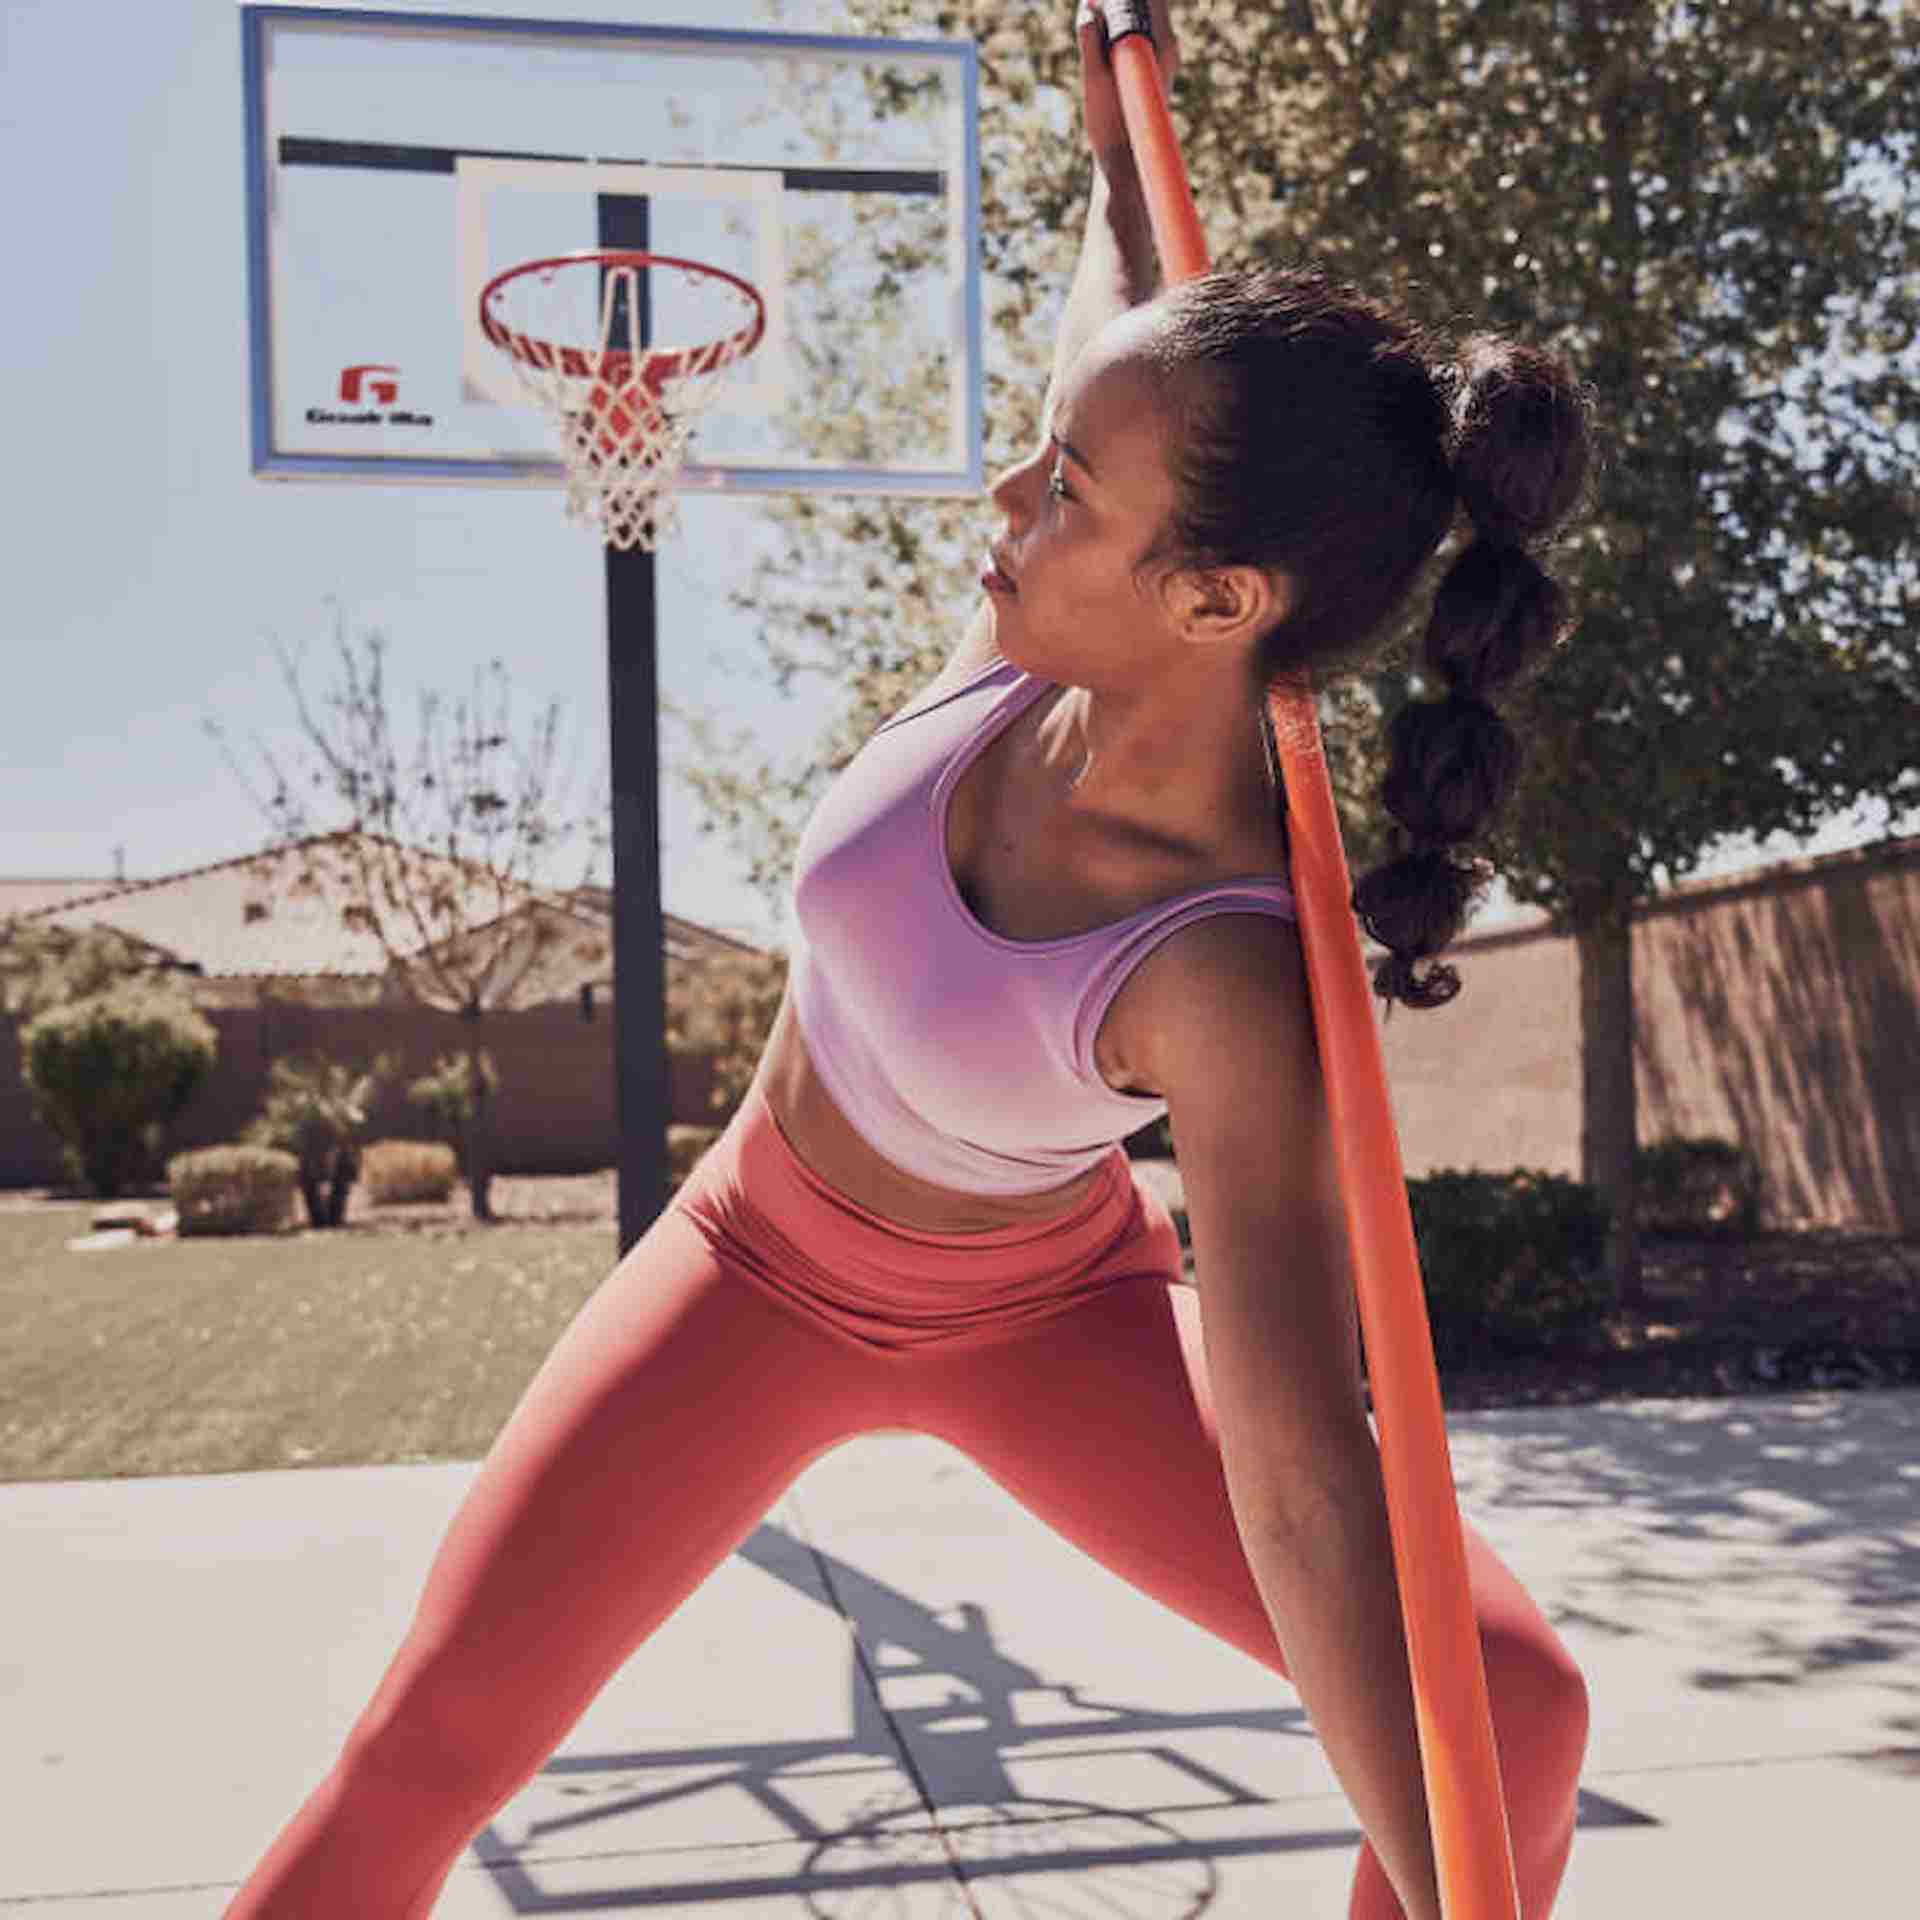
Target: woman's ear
1226 606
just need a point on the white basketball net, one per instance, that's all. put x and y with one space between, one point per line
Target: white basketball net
621 425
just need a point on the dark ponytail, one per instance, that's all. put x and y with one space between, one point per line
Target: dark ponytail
1319 433
1519 462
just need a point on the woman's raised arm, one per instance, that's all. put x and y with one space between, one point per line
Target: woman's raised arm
1118 265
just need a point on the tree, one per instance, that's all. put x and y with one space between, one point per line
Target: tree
723 1008
1712 211
317 1110
454 1097
109 1074
44 966
438 853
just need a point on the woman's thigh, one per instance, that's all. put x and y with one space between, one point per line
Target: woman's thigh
672 1413
1102 1424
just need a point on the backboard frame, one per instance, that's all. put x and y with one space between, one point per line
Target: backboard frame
273 461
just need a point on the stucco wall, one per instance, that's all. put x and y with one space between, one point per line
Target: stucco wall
1781 1011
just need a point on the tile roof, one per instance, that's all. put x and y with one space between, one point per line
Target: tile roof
250 917
685 939
37 896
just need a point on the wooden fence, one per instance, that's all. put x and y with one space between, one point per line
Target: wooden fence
1780 1010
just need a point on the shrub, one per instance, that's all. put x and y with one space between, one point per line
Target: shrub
454 1092
233 1189
399 1171
724 1006
1697 1187
110 1073
1512 1261
685 1145
454 1097
42 967
317 1111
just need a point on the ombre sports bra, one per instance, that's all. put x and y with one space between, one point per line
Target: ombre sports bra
962 1057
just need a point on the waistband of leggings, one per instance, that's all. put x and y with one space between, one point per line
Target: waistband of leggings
781 1185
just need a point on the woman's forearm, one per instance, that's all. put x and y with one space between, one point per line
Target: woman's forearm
1326 1575
1118 269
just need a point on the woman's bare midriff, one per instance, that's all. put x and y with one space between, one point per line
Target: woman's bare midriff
826 1140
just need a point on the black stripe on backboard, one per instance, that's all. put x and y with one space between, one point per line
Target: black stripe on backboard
379 158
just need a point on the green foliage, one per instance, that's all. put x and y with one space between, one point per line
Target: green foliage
1713 211
454 1097
725 1007
453 1094
397 1172
1513 1262
1698 1186
685 1145
317 1111
110 1073
233 1189
42 967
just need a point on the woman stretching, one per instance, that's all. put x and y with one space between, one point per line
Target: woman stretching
1042 907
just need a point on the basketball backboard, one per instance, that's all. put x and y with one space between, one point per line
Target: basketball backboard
397 162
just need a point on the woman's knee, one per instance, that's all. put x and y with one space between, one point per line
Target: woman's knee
434 1739
1541 1708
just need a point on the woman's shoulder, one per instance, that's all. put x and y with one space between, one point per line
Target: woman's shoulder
1218 995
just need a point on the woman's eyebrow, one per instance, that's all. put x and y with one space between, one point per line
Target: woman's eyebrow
1074 454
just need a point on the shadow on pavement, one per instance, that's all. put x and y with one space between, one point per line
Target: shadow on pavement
1123 1861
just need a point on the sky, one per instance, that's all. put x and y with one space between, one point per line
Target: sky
150 574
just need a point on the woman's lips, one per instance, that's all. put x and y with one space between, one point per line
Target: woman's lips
994 577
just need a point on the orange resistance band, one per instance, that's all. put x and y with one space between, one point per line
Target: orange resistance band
1466 1807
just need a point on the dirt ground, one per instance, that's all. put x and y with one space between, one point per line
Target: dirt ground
1773 1312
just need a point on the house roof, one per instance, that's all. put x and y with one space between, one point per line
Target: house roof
685 939
251 918
24 897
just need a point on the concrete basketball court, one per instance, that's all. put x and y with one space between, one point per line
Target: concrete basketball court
905 1697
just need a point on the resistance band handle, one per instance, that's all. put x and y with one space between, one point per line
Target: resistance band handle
1126 17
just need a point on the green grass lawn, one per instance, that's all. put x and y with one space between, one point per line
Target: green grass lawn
308 1349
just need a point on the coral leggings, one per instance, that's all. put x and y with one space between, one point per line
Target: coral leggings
761 1321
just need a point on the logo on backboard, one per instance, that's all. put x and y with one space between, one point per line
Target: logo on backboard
373 390
385 392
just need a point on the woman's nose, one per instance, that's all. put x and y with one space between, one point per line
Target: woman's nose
1011 490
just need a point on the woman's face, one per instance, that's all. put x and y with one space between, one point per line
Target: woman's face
1070 599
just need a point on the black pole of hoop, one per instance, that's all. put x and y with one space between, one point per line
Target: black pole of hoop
640 1084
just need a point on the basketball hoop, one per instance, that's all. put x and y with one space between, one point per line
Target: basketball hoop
623 411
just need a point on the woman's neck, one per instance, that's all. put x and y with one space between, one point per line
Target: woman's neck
1185 764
